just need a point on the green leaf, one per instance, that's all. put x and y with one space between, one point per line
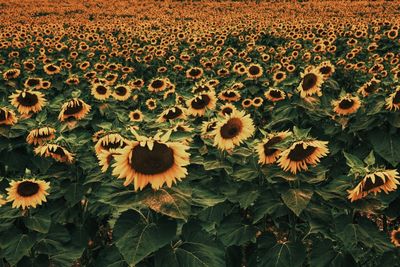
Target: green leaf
370 159
353 161
297 199
16 246
233 232
38 223
245 174
74 194
137 238
288 254
301 133
386 145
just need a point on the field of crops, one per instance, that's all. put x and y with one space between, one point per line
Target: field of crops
199 133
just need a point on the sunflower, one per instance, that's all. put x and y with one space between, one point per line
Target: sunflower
32 82
208 127
27 100
157 85
11 74
227 109
233 130
267 154
346 105
40 135
194 73
151 161
56 152
201 88
105 157
198 105
74 108
375 182
136 115
326 69
100 91
257 102
122 92
395 237
151 103
7 117
301 153
311 81
279 76
27 193
254 71
51 69
230 95
275 95
110 142
368 87
2 200
393 101
176 112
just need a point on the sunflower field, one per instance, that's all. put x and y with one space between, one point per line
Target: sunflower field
199 133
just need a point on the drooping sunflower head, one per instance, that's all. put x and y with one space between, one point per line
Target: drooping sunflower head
393 101
11 74
27 193
198 105
136 115
346 105
395 237
208 127
153 162
7 117
232 130
27 101
267 153
100 91
176 112
368 87
122 92
375 182
105 157
301 153
34 83
229 95
54 151
110 142
311 81
254 71
74 108
40 135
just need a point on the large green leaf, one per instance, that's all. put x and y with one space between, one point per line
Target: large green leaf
287 254
233 232
386 145
297 199
38 223
16 246
136 237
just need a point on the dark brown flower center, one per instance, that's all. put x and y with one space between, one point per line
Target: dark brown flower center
170 115
136 116
325 70
113 145
74 108
157 84
257 101
227 111
110 77
229 94
101 90
29 100
279 75
397 236
299 153
121 91
211 126
346 103
370 88
151 162
200 102
27 189
368 185
194 72
3 115
268 150
231 128
51 68
202 88
396 98
254 70
33 82
58 151
309 81
275 93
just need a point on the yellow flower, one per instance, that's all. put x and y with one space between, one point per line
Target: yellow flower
27 193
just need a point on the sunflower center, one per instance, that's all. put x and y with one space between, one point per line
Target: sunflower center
268 151
73 109
151 162
254 70
157 84
299 153
371 87
229 94
397 236
232 128
27 189
275 93
346 103
325 70
51 68
201 102
309 81
396 98
170 115
200 89
113 145
257 101
58 151
121 91
3 115
227 111
194 72
211 126
136 116
101 90
368 185
28 100
33 82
